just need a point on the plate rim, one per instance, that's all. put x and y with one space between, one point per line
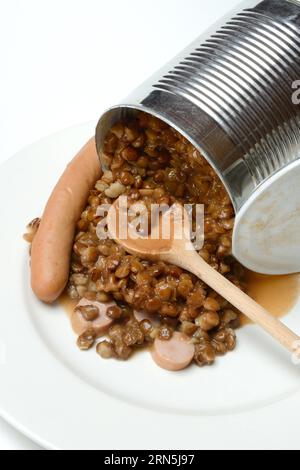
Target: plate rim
284 411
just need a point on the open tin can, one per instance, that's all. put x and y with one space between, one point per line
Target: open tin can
234 94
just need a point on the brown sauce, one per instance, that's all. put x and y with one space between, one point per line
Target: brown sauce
67 304
277 294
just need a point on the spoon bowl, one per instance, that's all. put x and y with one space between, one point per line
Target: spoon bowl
168 233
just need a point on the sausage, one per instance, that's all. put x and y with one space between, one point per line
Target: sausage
52 246
175 354
100 325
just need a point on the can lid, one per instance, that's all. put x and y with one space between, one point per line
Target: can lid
266 236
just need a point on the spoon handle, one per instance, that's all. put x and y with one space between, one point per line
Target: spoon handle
193 263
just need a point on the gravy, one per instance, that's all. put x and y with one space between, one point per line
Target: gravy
277 294
67 304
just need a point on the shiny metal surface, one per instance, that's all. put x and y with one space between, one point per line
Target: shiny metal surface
230 94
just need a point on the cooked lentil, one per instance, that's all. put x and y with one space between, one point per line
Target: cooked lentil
89 312
105 350
87 340
32 228
114 313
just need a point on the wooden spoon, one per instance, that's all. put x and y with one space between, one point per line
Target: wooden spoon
181 252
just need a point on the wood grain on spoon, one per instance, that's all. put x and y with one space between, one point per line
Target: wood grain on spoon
182 253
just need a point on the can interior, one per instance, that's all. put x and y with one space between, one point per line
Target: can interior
123 112
266 236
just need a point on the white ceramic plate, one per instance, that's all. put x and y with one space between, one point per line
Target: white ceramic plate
65 399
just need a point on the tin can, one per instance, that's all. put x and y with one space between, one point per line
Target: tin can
233 93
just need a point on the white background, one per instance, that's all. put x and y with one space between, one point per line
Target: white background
63 61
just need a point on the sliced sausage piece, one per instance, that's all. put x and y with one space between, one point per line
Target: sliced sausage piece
175 354
52 246
100 324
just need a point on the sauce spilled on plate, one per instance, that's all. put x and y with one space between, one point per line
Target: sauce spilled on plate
277 294
67 303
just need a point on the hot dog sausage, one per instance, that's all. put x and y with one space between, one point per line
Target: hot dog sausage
175 354
52 245
100 324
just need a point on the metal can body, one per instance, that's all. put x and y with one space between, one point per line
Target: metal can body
230 94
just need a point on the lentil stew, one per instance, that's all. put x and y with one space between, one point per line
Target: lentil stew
148 160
